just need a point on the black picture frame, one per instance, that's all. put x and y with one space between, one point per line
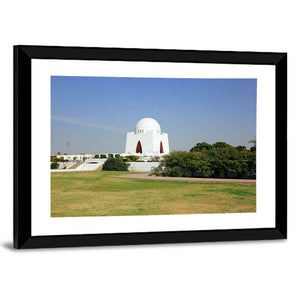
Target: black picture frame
23 56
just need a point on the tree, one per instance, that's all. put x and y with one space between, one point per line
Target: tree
252 141
96 156
241 148
220 161
58 153
221 145
253 148
115 164
201 146
54 165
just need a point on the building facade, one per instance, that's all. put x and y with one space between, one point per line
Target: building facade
147 140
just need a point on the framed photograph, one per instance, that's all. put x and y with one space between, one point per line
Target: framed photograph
120 146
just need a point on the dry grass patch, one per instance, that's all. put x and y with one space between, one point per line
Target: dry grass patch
96 194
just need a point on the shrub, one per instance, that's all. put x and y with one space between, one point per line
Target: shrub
185 164
158 171
221 160
96 156
54 165
56 159
117 155
175 172
155 159
103 156
132 158
115 164
110 155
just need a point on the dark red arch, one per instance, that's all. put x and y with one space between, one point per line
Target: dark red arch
138 147
161 148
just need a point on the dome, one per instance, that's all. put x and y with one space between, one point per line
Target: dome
147 124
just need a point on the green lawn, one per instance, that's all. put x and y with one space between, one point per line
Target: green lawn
100 194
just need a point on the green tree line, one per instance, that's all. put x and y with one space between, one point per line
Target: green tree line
219 160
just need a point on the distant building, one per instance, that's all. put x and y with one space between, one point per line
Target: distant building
76 156
147 140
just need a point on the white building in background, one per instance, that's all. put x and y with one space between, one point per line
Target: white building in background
147 140
76 156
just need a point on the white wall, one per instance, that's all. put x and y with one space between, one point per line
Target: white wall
142 166
244 270
150 142
165 142
91 164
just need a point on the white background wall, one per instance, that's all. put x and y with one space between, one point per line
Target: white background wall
142 166
244 270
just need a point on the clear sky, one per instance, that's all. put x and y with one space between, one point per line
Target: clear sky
93 114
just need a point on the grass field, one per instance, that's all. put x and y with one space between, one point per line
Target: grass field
100 194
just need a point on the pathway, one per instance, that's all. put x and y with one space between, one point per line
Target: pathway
186 179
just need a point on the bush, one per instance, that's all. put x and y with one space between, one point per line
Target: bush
103 156
54 165
219 160
155 159
110 155
158 171
117 155
56 159
96 156
186 164
174 172
115 164
132 158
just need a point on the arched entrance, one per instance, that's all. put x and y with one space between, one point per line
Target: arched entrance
138 147
161 148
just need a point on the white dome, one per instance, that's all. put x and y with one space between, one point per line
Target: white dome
147 124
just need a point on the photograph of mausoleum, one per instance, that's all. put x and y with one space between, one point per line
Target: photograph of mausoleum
124 146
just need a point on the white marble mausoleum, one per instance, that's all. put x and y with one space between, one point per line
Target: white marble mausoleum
147 140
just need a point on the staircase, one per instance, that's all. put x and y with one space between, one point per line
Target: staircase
75 166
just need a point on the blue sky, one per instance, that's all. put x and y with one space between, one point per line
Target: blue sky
94 114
